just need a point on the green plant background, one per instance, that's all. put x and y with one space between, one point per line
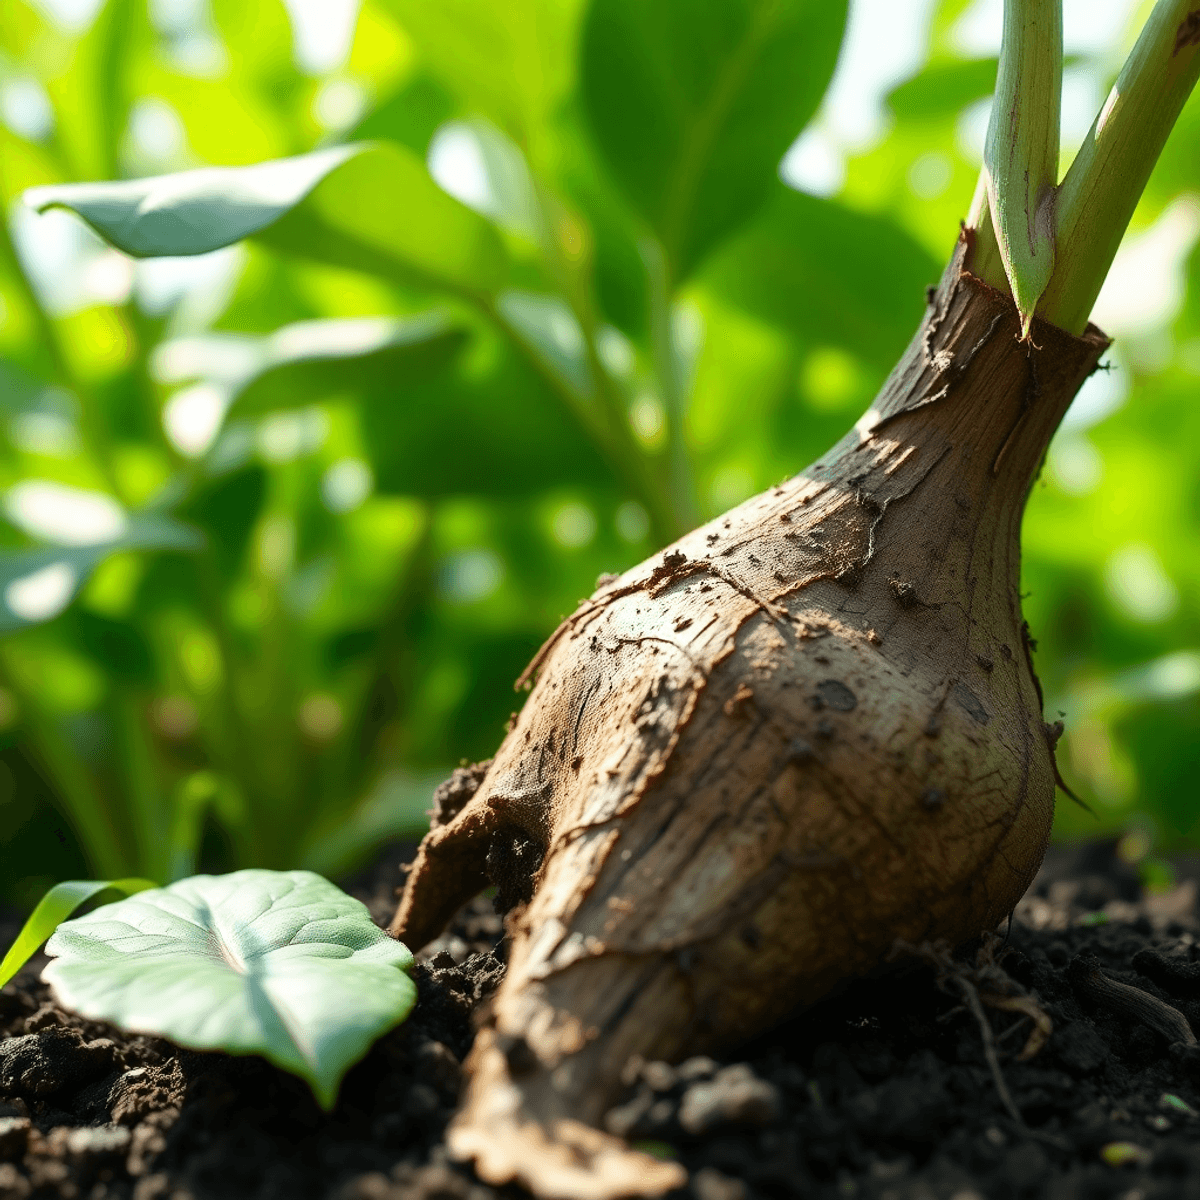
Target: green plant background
292 636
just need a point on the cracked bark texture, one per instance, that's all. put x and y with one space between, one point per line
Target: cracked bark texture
806 730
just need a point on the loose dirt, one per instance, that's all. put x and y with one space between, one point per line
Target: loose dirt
884 1091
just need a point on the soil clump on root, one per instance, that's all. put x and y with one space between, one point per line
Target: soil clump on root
884 1091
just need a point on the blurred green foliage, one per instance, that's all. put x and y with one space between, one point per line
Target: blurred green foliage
283 522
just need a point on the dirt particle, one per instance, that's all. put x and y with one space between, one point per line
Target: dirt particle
904 592
14 1134
932 799
734 1096
449 798
674 559
800 751
682 624
737 702
986 663
834 694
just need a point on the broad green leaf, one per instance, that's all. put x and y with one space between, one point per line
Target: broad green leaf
512 61
37 584
814 267
410 115
192 212
943 88
693 104
309 361
372 208
52 909
278 963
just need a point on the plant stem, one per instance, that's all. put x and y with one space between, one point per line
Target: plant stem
1021 154
1106 180
59 764
614 440
1097 197
680 486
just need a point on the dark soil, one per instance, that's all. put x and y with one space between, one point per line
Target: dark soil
882 1092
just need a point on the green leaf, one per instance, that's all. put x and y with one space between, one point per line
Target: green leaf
309 361
944 88
814 267
488 426
37 584
53 908
278 963
373 208
549 328
513 61
192 212
694 103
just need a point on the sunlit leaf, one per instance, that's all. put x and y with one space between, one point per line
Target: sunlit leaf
694 104
282 964
373 208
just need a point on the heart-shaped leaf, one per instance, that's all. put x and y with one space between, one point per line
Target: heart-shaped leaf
373 208
277 963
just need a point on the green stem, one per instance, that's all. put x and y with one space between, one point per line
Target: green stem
1021 154
1096 199
86 807
140 783
381 695
232 728
680 485
1106 180
615 441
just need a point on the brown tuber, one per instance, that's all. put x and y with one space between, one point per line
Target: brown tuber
755 762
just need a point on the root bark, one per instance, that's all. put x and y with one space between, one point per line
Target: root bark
806 730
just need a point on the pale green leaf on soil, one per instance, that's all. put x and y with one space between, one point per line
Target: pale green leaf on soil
278 963
52 909
693 104
372 208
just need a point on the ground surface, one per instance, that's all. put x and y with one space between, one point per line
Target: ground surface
884 1092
